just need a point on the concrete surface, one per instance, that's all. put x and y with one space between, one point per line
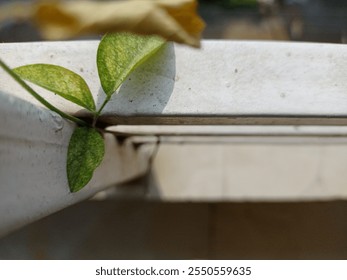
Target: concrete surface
249 172
251 230
33 151
229 83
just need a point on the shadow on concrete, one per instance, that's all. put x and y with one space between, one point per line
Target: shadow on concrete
146 91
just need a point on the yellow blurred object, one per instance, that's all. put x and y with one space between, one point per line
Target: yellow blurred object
174 20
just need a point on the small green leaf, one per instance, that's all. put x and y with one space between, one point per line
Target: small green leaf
59 80
119 54
85 153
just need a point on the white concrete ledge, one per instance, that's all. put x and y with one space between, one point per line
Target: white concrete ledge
33 149
249 172
227 130
242 83
226 82
228 134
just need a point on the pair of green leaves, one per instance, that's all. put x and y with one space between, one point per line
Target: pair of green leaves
117 56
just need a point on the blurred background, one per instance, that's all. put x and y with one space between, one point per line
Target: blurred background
132 228
295 20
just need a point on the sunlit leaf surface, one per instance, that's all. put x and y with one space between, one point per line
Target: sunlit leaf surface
119 54
59 80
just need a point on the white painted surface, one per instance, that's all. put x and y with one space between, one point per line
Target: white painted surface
227 134
226 82
227 130
250 172
33 149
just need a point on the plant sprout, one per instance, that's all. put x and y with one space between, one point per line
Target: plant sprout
118 56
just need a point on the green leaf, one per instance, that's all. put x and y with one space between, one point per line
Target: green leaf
59 80
119 54
85 153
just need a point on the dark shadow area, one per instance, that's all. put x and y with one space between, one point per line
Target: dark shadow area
17 31
115 229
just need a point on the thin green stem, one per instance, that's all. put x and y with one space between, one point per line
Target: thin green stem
97 114
39 97
95 118
103 105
